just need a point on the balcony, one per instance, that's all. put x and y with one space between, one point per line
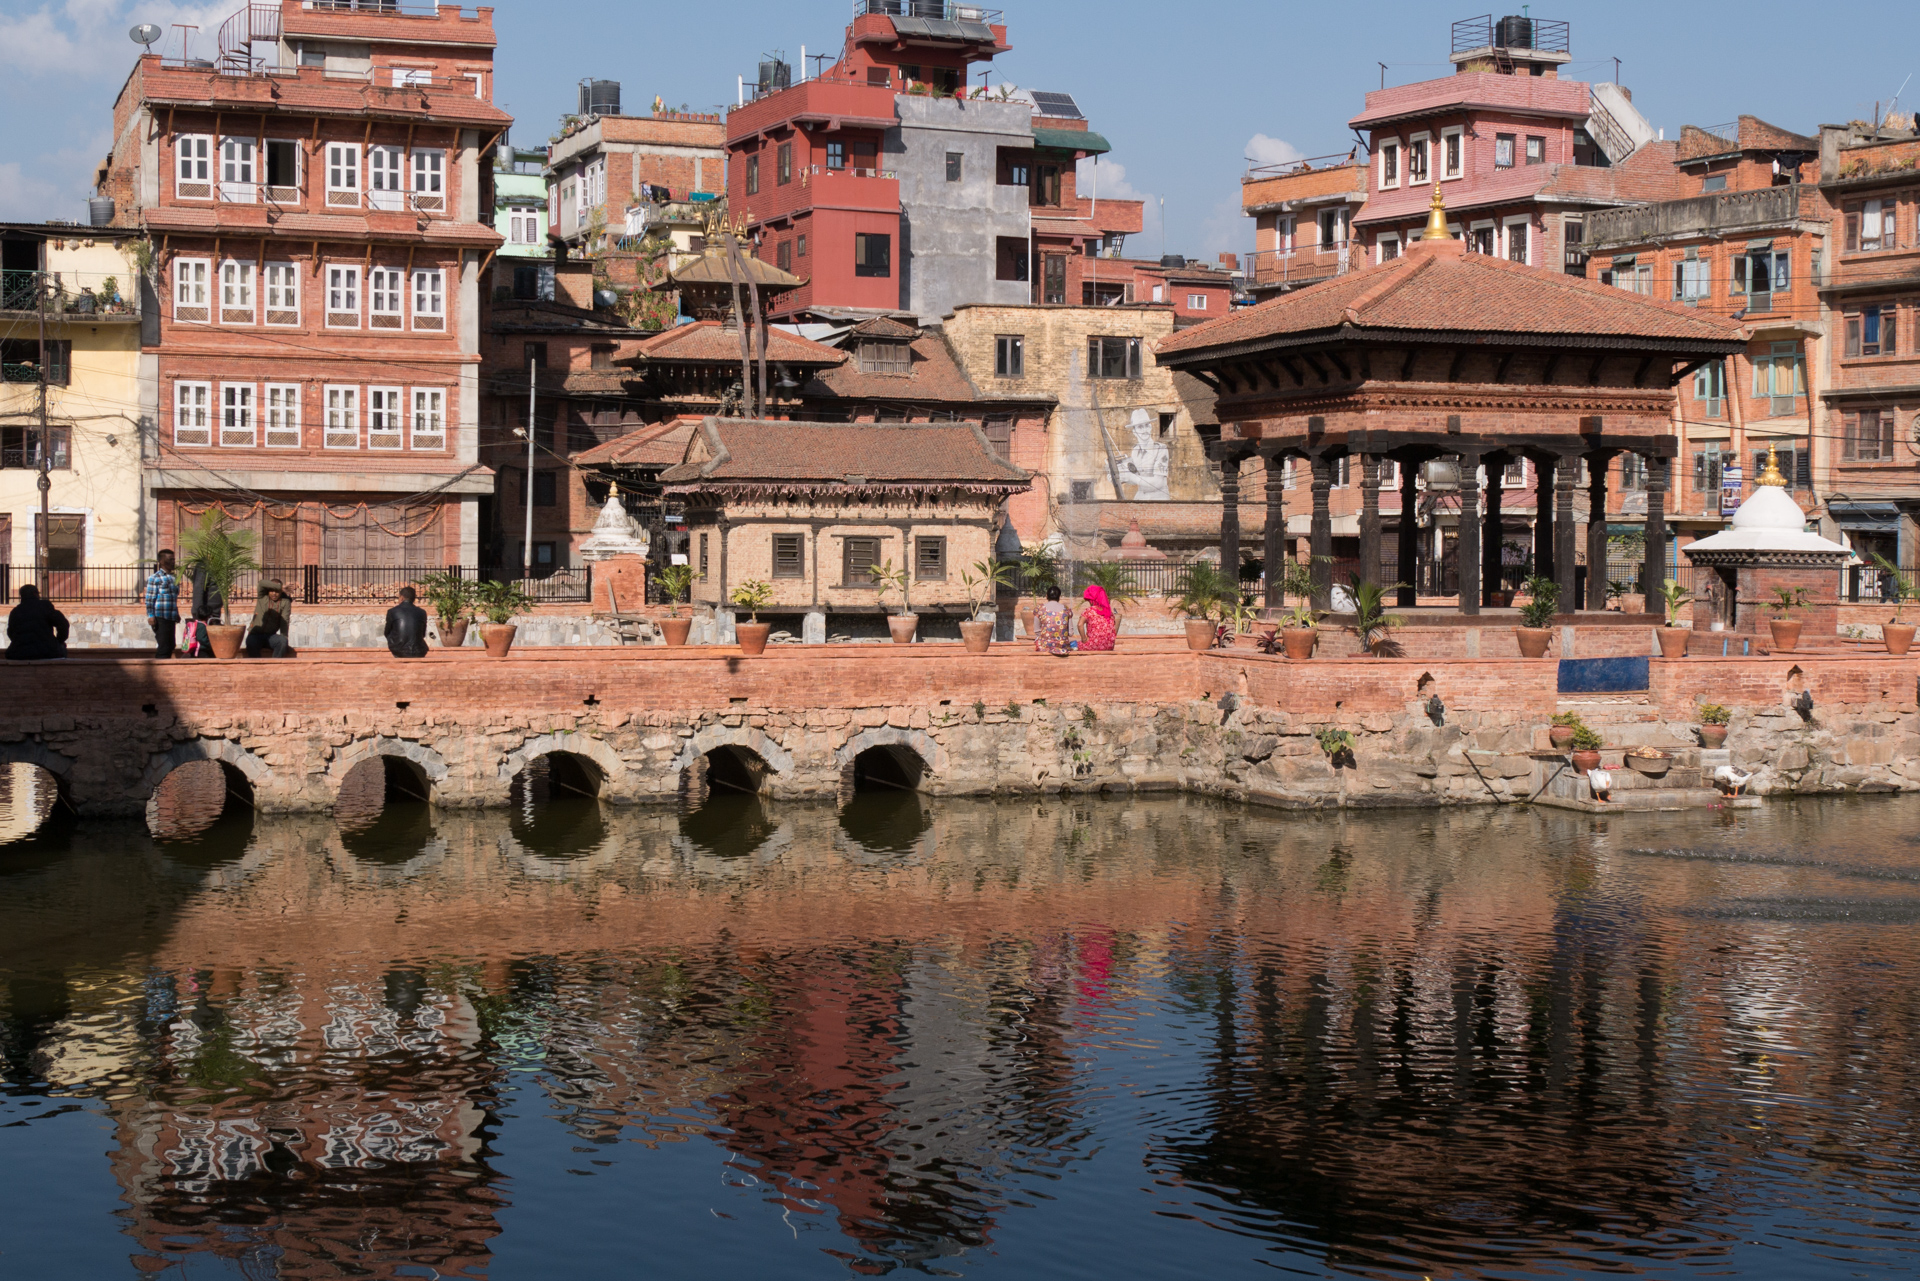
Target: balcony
92 296
1292 268
1723 214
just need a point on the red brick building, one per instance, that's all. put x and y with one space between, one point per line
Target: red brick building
1303 214
317 202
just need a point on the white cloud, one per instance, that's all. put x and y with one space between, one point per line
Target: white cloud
1262 150
27 197
1111 179
88 38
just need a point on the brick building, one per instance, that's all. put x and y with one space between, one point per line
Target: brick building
317 204
1303 214
603 164
1870 291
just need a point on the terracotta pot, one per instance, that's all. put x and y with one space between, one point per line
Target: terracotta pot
498 638
1712 736
1649 766
901 627
1561 736
225 638
976 635
1786 633
674 630
1584 761
1200 633
1533 641
752 637
1026 617
1673 641
1899 637
1299 641
453 635
1499 600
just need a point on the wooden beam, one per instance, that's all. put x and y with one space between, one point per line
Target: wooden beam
1459 360
1406 366
1500 370
1205 378
1340 363
1593 370
1293 370
1640 374
1320 370
1366 363
1675 375
1553 363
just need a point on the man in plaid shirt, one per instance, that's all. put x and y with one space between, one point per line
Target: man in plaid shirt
163 604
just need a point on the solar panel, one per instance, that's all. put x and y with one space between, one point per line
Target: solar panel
1059 105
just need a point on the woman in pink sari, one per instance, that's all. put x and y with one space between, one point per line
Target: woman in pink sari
1097 626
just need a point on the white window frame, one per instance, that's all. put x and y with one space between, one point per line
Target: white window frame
193 287
386 178
596 184
285 291
1283 234
1381 242
1159 293
429 407
341 405
343 276
193 415
343 175
299 166
479 80
239 162
386 299
406 77
1390 149
427 176
1487 225
429 285
281 409
1196 302
239 425
240 285
1342 228
1459 170
195 161
386 418
1426 176
1506 239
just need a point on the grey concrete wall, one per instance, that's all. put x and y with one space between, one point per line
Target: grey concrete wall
948 229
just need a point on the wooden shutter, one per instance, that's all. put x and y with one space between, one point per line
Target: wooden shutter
1886 434
343 540
1849 444
930 558
858 558
789 556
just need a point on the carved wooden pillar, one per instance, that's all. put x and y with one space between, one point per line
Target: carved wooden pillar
1230 515
1321 537
1543 478
1491 531
1468 542
1597 465
1369 518
1565 570
1654 572
1409 571
1275 548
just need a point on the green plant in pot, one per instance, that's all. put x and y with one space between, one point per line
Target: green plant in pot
676 581
452 599
1713 724
1673 637
1039 570
499 602
983 583
1784 626
1370 617
1299 626
1116 580
216 555
1561 729
888 579
753 596
1204 595
1586 748
1536 617
1895 586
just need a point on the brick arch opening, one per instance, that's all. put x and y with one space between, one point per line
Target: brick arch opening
885 767
33 799
555 805
727 768
382 789
196 796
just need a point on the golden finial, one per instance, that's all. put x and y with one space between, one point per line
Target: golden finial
1771 476
1437 217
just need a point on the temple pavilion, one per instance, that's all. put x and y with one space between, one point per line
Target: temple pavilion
1461 362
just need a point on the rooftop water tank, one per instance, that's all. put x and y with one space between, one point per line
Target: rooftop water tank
599 97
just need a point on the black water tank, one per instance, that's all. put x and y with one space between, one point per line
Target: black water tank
1172 260
775 76
100 211
599 97
1513 33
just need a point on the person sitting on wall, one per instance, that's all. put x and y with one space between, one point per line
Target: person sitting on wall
272 620
1097 625
1053 626
35 629
407 628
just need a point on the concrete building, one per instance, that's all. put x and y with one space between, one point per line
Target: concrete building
962 229
85 283
1303 214
317 201
524 266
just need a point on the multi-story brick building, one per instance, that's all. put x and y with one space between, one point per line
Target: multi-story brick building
1870 291
1303 214
603 163
524 266
1521 153
317 204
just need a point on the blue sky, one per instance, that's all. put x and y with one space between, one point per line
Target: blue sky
1184 93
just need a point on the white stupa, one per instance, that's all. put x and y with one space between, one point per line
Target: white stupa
1767 522
1765 549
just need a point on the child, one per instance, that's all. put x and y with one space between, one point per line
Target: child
198 644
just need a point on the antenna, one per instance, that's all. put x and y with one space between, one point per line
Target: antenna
144 34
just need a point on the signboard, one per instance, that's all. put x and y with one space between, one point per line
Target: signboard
1730 487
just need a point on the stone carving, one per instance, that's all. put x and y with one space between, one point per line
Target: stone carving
616 533
1147 463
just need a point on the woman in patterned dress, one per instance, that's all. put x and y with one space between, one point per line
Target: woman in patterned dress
1053 626
1097 625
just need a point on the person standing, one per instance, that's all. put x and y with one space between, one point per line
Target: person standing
272 620
35 629
163 603
1053 626
407 628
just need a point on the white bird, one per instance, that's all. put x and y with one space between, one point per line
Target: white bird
1601 782
1731 780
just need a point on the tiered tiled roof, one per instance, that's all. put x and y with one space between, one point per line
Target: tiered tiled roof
750 452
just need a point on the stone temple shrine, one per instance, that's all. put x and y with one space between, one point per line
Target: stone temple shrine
1766 547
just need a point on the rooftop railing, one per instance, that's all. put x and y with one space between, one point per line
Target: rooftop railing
71 293
1306 164
937 10
1542 35
1696 215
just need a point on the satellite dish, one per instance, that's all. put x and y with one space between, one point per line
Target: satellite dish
144 34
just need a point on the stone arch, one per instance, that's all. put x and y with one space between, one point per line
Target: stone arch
778 759
613 771
256 771
933 757
431 765
28 752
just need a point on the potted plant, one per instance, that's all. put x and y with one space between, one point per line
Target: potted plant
219 555
1561 729
1713 724
1299 631
1202 593
1536 617
1370 617
753 596
1673 637
1649 762
1586 748
986 577
902 625
1784 626
498 602
1039 570
452 599
1894 586
675 581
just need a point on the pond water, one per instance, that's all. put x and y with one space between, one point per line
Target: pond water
1048 1037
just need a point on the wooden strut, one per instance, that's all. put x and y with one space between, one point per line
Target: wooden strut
1640 374
1553 363
1406 366
1339 362
1320 370
1593 370
1293 371
1459 359
1500 370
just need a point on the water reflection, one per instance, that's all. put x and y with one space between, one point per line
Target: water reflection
1077 1037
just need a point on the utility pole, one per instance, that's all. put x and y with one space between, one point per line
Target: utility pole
526 546
46 444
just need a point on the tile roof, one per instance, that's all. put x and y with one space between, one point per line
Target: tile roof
656 445
707 341
747 451
932 375
885 327
1441 287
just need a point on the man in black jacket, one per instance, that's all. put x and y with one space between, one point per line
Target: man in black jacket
272 621
35 629
407 628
